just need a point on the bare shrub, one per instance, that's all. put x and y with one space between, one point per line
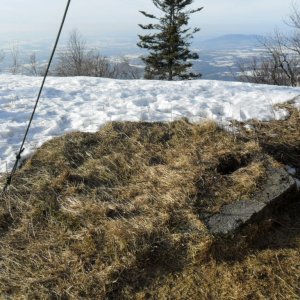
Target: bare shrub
78 60
14 50
2 56
126 71
34 67
280 64
70 60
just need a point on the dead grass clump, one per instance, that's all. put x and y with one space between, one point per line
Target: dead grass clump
115 214
279 138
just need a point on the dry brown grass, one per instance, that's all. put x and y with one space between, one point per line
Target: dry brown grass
279 138
117 215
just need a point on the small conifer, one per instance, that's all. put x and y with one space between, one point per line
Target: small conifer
169 56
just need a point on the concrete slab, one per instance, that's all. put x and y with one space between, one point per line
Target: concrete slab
278 189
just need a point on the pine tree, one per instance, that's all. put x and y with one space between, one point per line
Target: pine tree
169 45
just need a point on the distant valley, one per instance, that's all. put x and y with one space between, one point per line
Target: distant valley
217 56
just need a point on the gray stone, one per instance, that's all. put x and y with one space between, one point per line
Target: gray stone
279 182
278 189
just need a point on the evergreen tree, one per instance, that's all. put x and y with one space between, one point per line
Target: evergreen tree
169 44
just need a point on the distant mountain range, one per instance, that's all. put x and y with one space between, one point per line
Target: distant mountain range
230 41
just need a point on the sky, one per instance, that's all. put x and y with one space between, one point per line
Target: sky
39 19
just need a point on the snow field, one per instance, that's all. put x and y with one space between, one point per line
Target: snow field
85 104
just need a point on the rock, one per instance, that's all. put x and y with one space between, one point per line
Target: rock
278 190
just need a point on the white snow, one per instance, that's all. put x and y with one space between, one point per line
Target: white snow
85 104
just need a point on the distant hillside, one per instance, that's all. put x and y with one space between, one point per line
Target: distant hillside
231 41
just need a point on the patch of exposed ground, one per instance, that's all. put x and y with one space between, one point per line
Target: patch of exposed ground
115 215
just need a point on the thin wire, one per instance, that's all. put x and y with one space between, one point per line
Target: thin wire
18 156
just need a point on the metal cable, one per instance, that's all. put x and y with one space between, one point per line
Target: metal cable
21 150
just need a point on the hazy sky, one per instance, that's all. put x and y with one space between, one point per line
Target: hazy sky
35 19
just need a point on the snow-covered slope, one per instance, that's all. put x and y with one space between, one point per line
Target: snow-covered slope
84 104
